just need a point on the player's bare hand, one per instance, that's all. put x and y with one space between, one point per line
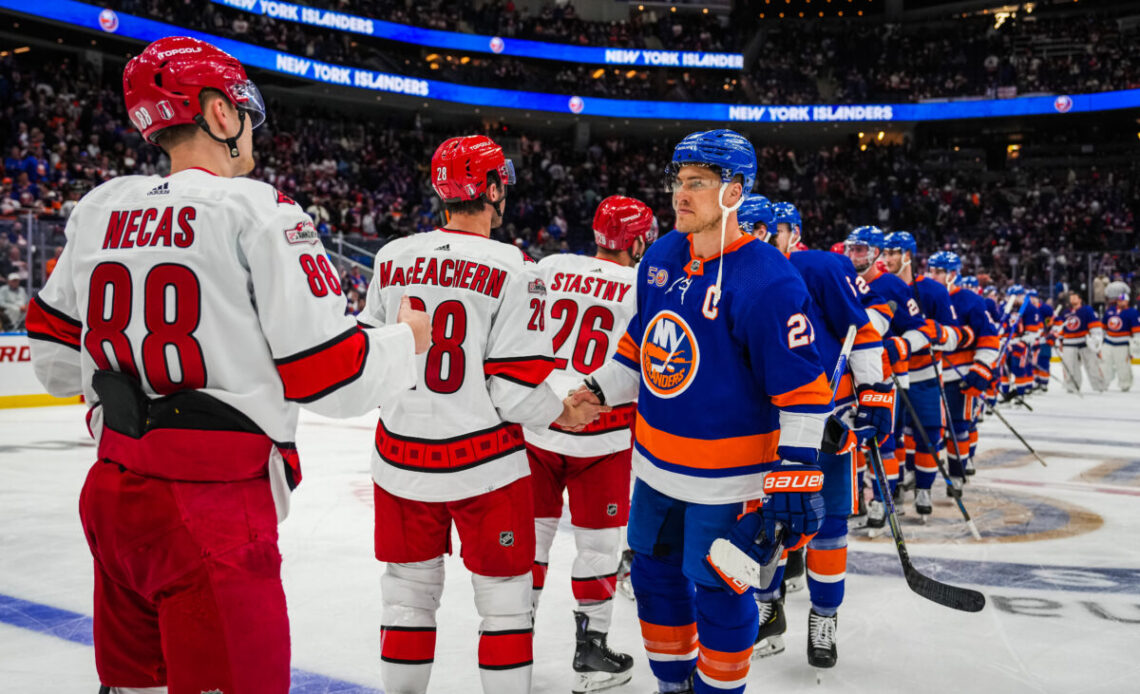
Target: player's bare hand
584 394
576 415
418 321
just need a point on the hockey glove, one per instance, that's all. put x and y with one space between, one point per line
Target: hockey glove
967 337
838 438
897 349
747 557
792 499
937 334
876 409
977 380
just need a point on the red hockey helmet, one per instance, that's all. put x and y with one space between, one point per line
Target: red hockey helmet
619 220
161 85
839 247
460 166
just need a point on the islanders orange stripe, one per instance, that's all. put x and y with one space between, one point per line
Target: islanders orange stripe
628 348
723 665
680 640
988 342
707 454
846 388
815 393
827 562
884 309
867 333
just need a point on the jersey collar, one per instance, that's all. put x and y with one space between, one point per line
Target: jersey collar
696 266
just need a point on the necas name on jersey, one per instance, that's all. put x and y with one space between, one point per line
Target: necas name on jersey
150 227
597 287
448 272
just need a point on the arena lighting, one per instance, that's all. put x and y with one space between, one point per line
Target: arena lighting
456 41
93 18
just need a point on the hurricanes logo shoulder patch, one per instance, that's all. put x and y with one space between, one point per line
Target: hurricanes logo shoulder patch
669 355
303 232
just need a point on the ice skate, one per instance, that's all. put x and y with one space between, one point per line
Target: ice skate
969 467
770 636
954 489
923 504
876 514
596 666
821 651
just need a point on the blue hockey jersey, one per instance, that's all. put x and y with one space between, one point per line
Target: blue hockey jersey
934 300
980 335
725 387
836 304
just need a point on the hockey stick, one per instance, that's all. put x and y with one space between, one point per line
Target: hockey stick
739 571
1019 437
937 459
950 420
954 597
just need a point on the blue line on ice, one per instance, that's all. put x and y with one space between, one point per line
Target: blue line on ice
75 627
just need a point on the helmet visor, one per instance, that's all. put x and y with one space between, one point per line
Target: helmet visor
247 98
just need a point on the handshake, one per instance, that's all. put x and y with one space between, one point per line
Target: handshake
581 408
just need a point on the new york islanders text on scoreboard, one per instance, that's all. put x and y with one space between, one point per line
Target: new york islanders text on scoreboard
93 17
810 114
477 43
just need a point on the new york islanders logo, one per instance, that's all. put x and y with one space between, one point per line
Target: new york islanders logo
1115 323
669 355
1072 323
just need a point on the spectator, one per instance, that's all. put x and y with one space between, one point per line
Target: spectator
13 303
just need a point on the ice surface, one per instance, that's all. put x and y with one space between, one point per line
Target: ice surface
1060 567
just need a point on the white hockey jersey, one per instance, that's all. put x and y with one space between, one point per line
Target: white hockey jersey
457 434
589 304
194 281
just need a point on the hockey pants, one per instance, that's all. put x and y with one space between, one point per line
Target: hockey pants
1117 364
1076 356
690 621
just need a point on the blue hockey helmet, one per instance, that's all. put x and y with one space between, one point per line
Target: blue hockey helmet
901 240
1031 293
755 210
945 260
725 150
1014 290
968 281
786 213
866 236
990 289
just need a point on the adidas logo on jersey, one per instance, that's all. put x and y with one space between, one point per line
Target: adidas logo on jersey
163 189
444 247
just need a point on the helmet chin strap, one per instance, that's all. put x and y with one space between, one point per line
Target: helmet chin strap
230 142
724 212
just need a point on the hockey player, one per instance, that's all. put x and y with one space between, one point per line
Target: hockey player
905 336
835 290
1082 334
195 313
1044 353
1122 335
589 303
755 216
731 402
1026 332
451 450
899 252
968 369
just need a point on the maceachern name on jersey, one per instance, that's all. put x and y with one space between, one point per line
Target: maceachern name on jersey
449 272
597 287
150 226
